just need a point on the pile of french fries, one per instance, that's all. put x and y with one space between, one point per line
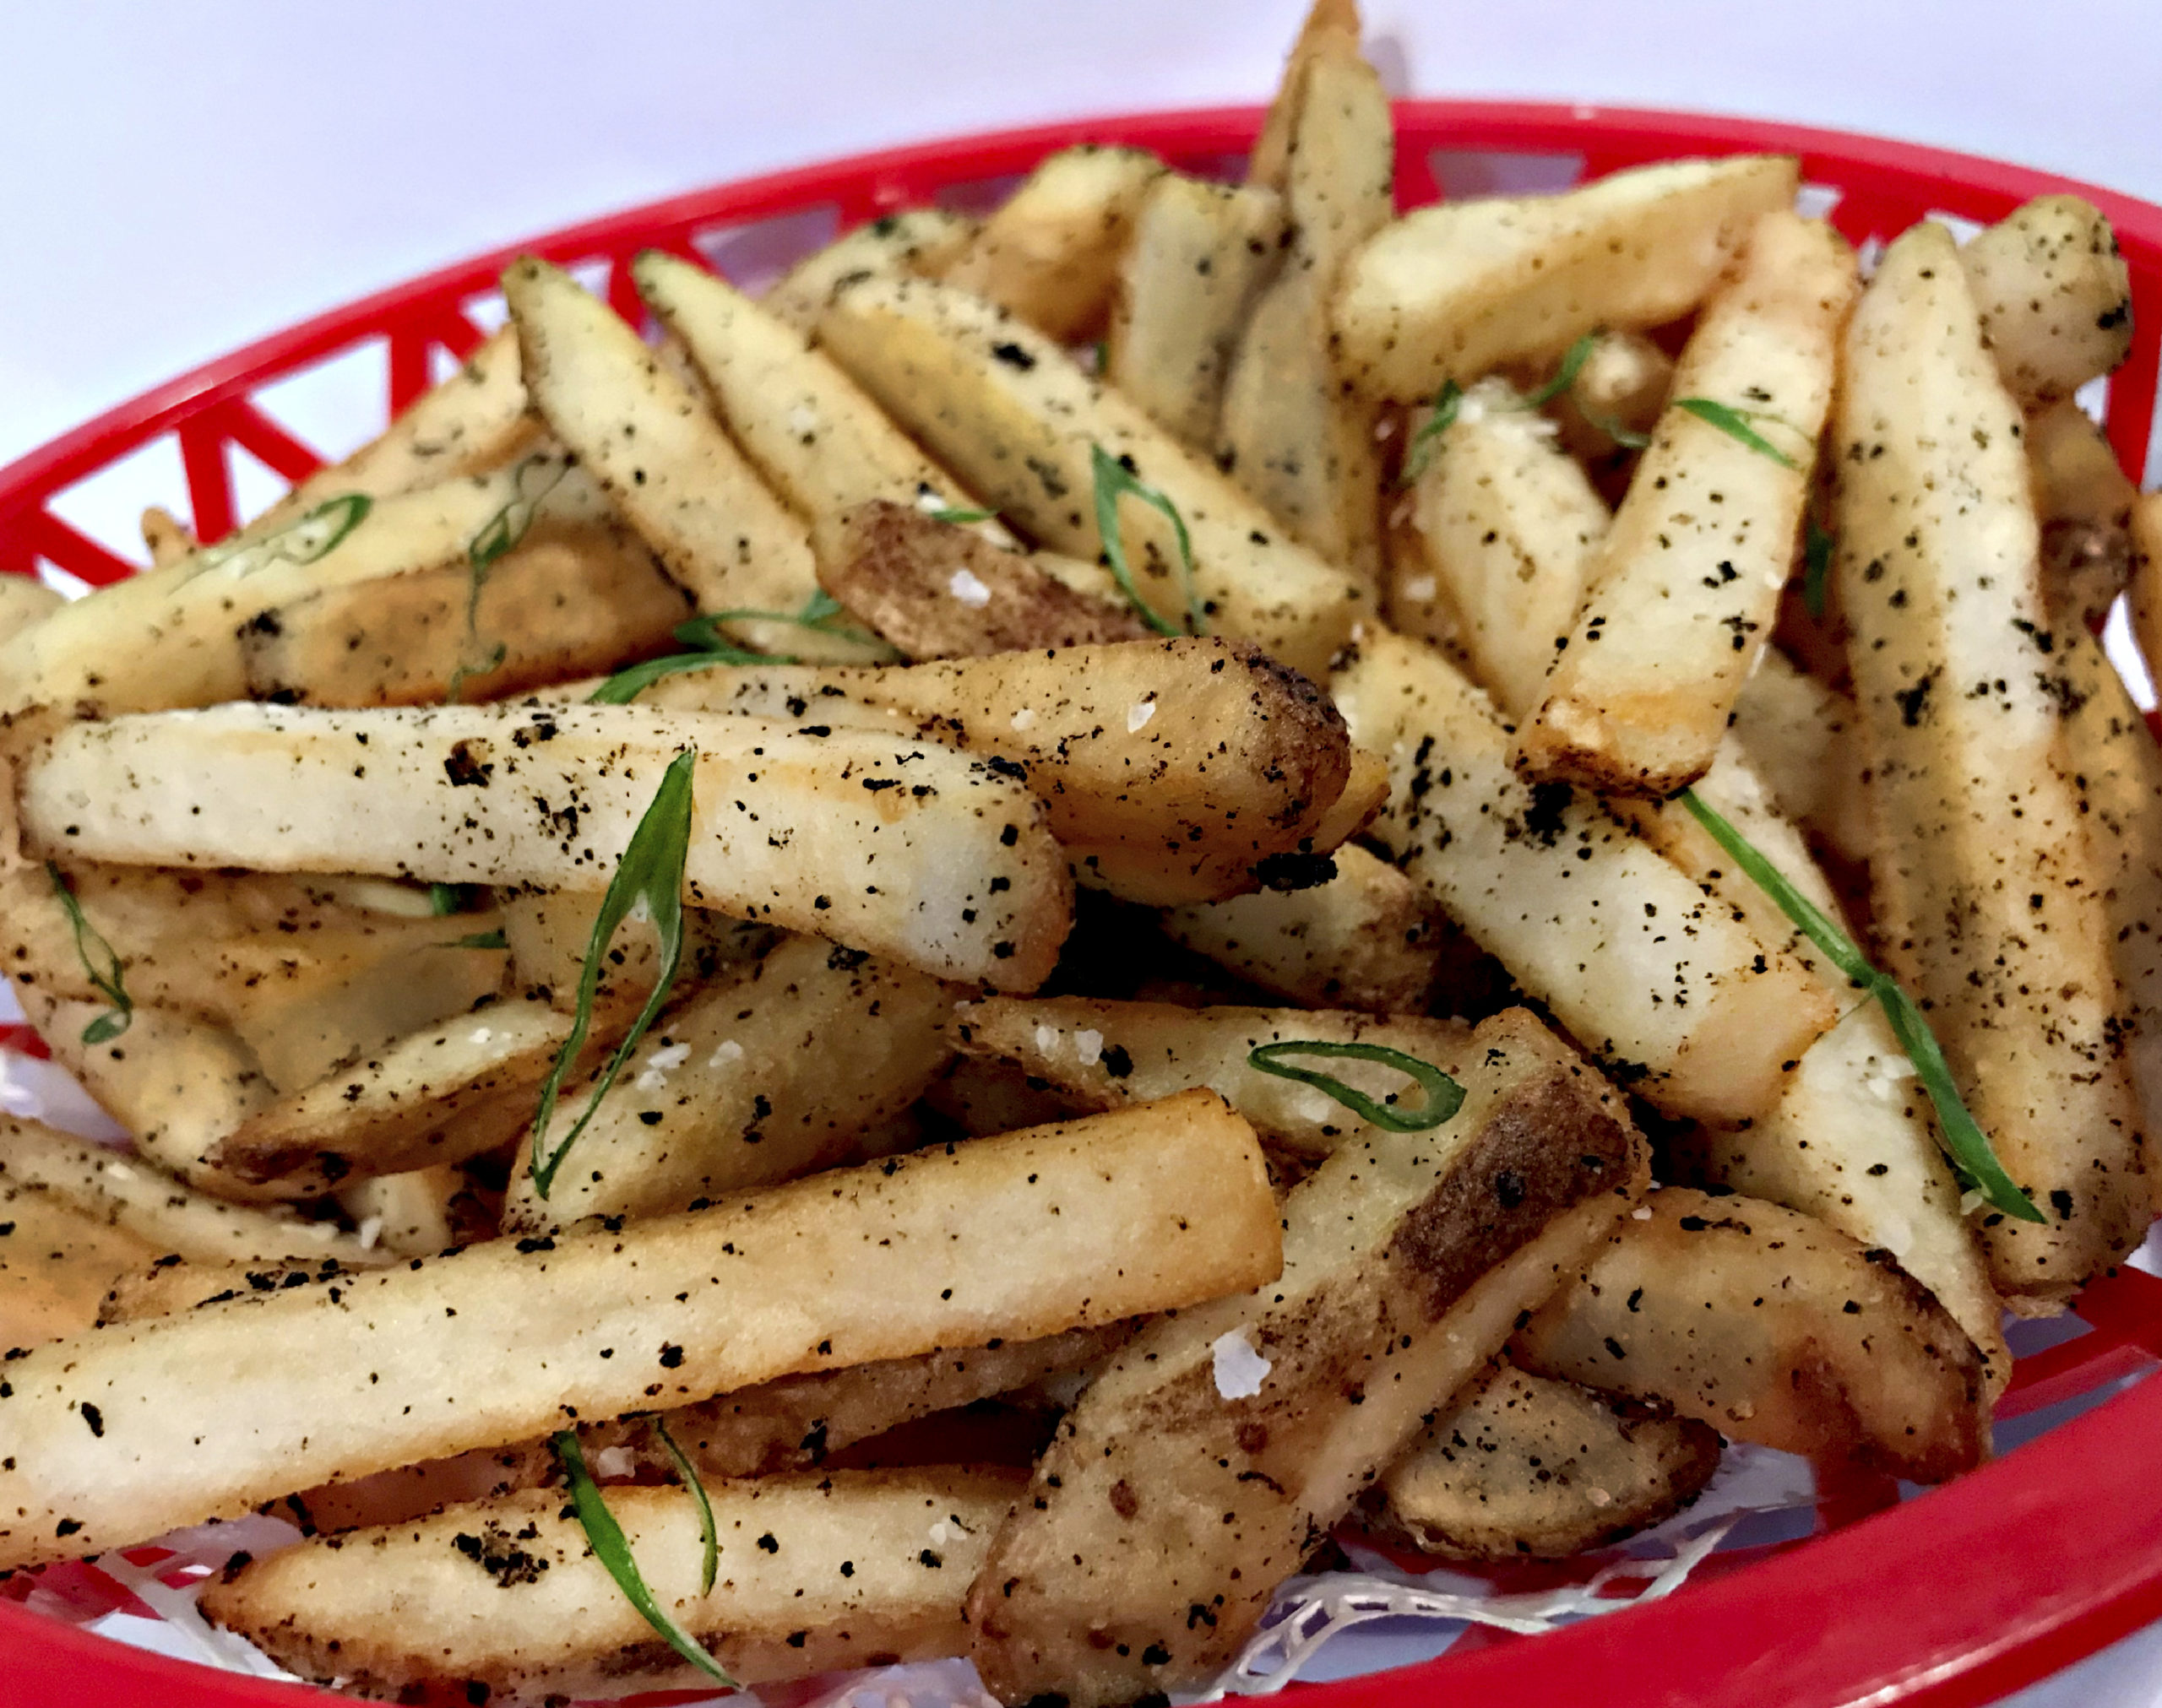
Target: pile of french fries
941 963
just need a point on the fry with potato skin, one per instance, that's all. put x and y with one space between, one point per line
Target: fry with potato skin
1684 589
2054 297
1009 412
1685 1004
1407 1260
505 1596
1987 872
1024 1235
1772 1328
860 837
917 242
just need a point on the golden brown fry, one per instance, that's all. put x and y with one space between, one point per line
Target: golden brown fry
1771 1328
892 845
1106 1056
1522 1468
1407 1261
2054 297
1331 27
56 1264
1148 1209
1682 594
1460 289
2084 502
1685 1004
1050 253
1801 738
507 1598
1990 892
918 241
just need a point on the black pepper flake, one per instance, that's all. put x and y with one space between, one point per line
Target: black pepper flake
1013 355
671 1357
94 1418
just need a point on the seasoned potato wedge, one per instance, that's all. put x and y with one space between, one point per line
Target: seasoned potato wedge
56 1265
1009 412
1145 1210
1523 1467
1682 592
1050 253
2053 295
920 242
1331 27
1457 289
1771 1328
787 824
1685 1003
1407 1259
507 1598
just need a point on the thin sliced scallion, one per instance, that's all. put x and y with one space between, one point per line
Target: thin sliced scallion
480 939
697 1490
708 645
1114 480
100 963
1565 377
304 540
650 872
612 1548
1816 566
1628 438
959 517
452 898
1964 1140
1736 425
1425 441
497 537
1444 1096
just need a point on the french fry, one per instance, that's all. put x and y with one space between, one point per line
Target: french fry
1460 289
1620 390
2084 503
507 1598
414 1491
1522 1467
1331 26
813 831
656 450
2054 297
131 1194
549 932
56 1264
1291 433
1107 1055
1022 1236
1199 253
1771 1328
164 537
2145 525
1684 1003
1506 527
173 1283
414 1214
171 637
1203 756
568 601
794 1423
1849 1141
1682 592
1012 415
1801 738
1364 940
1049 254
735 1092
473 423
936 591
920 242
1407 1261
1987 868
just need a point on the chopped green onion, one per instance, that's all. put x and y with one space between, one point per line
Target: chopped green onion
302 540
498 535
650 872
959 518
613 1550
1626 437
709 645
1444 1096
697 1488
1421 451
452 898
100 962
1968 1145
1114 481
1565 377
1735 424
480 939
1816 566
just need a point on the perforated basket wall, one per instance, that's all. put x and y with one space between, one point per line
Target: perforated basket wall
1952 1598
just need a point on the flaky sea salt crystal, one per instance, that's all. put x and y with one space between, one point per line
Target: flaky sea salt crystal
369 1232
726 1051
1421 587
1089 1048
1240 1370
1025 718
1047 1039
1138 714
966 587
615 1461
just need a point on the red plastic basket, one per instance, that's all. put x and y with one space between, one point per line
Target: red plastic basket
1949 1600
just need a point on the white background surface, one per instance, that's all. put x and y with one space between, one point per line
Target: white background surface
176 178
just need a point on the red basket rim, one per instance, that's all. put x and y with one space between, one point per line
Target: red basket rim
1945 1602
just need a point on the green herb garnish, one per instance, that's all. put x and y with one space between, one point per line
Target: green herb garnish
697 1490
1421 451
1628 438
959 518
708 646
498 538
1965 1142
1735 424
1816 566
651 871
100 962
1444 1096
454 898
1565 377
613 1550
1114 481
480 939
302 541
